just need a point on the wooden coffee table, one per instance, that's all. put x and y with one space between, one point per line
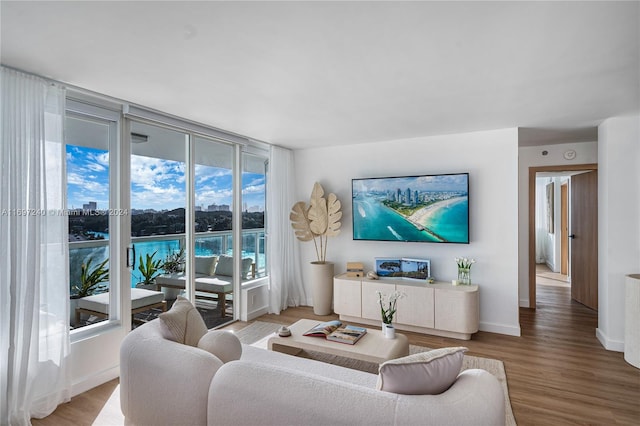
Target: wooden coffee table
372 347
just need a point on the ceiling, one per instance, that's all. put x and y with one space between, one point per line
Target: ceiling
310 74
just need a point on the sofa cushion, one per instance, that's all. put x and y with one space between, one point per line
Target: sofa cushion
224 266
246 267
223 344
183 323
425 373
205 265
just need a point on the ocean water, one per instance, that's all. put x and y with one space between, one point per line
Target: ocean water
204 247
374 221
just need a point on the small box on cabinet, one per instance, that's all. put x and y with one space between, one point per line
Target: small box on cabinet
355 269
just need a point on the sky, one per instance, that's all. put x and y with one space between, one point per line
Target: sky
446 182
155 183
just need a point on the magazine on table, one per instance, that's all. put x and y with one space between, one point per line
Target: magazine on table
337 332
349 334
324 329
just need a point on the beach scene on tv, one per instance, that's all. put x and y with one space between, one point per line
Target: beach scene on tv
432 208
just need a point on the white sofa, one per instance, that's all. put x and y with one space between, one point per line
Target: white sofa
167 383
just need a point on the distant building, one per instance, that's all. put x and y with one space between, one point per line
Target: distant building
91 205
198 208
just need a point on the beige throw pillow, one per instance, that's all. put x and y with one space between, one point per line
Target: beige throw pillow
223 344
183 323
425 373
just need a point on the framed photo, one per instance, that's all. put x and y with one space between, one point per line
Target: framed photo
416 269
388 267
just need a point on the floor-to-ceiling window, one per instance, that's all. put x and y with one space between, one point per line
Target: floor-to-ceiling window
90 135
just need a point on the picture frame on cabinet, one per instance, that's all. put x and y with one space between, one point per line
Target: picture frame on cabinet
405 268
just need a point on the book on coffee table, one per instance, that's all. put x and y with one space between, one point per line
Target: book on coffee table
324 329
349 334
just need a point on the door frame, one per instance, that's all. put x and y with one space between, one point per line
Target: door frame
532 217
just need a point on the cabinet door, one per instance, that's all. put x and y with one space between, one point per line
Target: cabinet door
456 310
417 307
370 304
346 297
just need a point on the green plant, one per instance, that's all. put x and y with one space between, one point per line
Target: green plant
388 305
174 262
149 269
318 221
91 279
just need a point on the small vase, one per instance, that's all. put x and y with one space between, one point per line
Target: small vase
464 276
388 331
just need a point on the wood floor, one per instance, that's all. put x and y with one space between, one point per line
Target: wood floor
557 371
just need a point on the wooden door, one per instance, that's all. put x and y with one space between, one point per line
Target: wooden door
564 229
584 238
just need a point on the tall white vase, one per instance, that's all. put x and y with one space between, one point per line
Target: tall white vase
322 286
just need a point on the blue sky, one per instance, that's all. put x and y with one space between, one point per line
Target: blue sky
155 183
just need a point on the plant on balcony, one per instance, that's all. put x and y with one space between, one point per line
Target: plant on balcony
174 262
149 269
318 221
91 279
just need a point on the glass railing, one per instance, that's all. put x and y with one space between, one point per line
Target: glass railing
206 244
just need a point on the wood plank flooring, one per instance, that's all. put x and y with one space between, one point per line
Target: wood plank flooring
557 371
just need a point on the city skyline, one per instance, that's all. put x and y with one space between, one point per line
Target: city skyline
155 183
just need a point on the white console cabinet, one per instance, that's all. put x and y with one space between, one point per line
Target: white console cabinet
440 308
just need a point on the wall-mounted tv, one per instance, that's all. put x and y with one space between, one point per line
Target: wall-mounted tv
427 208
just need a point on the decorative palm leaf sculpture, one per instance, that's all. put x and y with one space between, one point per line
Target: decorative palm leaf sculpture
318 221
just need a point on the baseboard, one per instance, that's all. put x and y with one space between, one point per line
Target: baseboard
608 344
255 314
524 303
500 329
91 382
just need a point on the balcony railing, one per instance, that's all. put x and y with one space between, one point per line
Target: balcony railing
206 244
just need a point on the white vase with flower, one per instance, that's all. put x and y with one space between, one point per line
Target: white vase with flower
388 309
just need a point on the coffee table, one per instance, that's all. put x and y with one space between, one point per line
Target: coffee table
372 347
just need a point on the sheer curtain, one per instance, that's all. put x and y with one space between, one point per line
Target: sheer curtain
284 259
34 284
541 233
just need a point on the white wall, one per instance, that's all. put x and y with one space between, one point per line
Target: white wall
587 153
490 158
618 222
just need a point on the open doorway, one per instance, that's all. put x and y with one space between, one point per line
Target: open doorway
553 233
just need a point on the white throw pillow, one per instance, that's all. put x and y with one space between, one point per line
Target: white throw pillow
205 265
223 344
183 323
425 373
224 267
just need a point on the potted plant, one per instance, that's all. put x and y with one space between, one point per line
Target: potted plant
388 309
149 269
91 280
317 222
174 262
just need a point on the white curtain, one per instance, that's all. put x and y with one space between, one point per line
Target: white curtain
286 287
34 284
541 231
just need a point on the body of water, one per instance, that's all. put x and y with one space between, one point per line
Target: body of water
209 246
375 221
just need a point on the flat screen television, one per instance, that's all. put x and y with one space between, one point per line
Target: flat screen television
426 208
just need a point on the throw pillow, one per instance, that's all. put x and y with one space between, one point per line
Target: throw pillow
183 323
246 267
223 344
426 373
205 265
224 267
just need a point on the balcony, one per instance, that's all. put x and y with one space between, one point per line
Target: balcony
209 243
